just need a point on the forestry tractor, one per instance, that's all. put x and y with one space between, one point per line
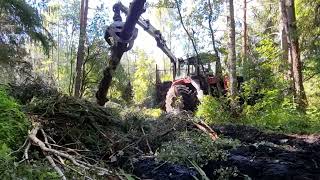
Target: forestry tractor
191 78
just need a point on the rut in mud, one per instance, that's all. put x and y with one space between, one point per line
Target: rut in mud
271 155
261 156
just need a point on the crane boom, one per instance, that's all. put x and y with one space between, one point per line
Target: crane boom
155 33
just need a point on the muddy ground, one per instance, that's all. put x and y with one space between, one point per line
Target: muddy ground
261 156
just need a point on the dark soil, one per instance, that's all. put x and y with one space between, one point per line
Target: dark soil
148 168
261 156
270 155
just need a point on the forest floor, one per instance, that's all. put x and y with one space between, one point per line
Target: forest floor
261 155
118 143
267 155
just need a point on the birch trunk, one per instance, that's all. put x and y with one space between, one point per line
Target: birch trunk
232 59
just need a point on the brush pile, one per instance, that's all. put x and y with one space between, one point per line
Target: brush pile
80 138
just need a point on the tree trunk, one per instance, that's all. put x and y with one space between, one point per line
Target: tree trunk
58 60
232 59
190 38
300 96
245 34
69 56
80 53
285 55
218 71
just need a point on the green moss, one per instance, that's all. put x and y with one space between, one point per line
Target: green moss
13 131
13 122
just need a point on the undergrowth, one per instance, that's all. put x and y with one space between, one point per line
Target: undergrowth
280 114
10 169
213 111
272 112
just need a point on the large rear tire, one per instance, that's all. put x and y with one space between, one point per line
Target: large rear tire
181 97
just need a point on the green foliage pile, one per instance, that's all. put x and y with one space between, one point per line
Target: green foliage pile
82 123
195 146
36 88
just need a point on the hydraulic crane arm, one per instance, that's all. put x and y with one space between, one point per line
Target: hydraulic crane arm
145 24
122 35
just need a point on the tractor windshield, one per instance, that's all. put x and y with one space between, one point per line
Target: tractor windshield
187 67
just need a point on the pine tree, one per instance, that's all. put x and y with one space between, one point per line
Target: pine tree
80 53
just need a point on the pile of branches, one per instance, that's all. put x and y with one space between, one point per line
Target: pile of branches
83 137
58 155
30 88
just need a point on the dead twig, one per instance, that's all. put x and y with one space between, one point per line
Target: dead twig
18 150
206 129
167 132
32 136
93 123
64 165
150 150
50 158
55 167
51 139
26 150
75 151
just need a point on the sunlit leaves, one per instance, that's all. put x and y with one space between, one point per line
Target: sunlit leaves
143 79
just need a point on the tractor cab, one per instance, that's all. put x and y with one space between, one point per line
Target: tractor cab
188 67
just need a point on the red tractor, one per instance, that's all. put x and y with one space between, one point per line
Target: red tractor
192 81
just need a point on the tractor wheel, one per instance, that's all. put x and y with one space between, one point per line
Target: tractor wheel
181 97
